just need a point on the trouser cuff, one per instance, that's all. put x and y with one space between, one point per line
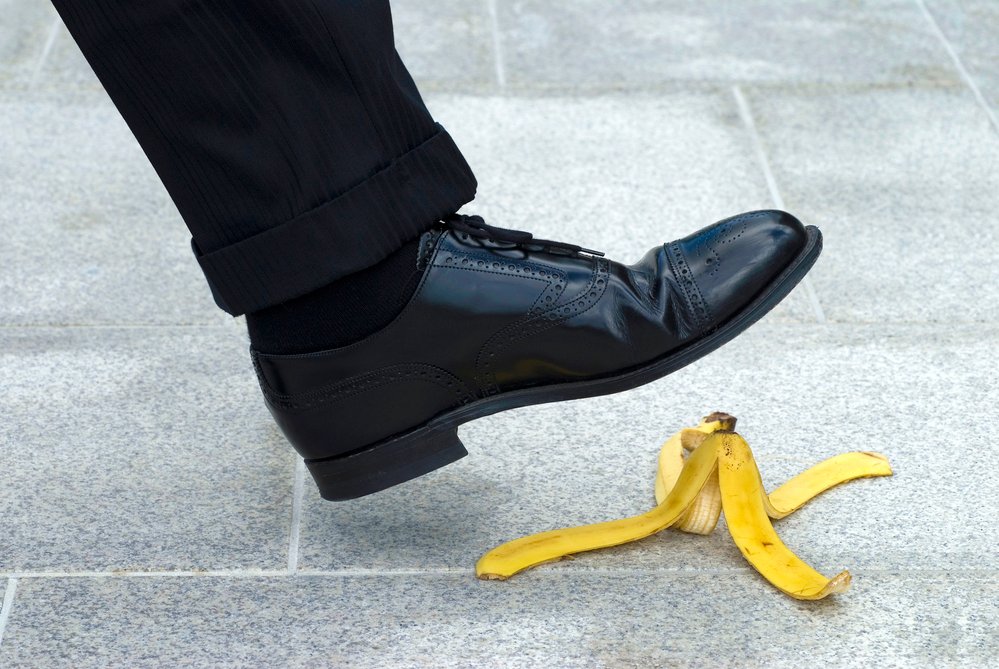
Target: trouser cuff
344 235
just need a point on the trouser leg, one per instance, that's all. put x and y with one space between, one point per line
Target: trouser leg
288 133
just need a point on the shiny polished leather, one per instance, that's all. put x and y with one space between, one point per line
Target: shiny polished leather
493 317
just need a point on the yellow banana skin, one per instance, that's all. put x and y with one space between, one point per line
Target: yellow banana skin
702 516
513 556
671 453
791 496
670 464
719 474
749 525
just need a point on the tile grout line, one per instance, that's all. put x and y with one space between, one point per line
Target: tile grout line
959 65
298 494
46 50
8 604
761 156
239 573
497 46
425 571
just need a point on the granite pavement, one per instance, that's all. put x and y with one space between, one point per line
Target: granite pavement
151 515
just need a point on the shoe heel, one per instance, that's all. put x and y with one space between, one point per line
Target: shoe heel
386 464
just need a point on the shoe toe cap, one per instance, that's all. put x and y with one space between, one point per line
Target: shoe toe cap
730 262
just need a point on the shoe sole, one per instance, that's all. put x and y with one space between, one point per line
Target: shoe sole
436 444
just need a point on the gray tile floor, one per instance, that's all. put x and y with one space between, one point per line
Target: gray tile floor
151 515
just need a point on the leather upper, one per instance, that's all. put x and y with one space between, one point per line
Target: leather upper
489 317
734 259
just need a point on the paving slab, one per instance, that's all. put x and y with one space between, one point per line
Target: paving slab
905 186
137 449
24 30
803 394
590 620
596 44
65 72
618 173
971 27
446 44
90 234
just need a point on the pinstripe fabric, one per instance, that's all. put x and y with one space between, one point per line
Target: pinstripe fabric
288 133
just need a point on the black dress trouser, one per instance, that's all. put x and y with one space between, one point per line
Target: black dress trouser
288 133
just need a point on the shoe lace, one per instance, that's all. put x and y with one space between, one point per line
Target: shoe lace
476 227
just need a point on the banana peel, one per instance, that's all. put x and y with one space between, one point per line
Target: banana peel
514 556
705 471
702 516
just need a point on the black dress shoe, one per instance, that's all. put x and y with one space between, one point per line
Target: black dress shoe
502 320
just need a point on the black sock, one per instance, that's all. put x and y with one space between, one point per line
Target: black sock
341 313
